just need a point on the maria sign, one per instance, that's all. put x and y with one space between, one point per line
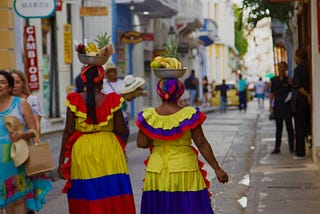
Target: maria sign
34 8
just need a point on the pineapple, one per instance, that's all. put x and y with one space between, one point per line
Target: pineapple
172 49
102 40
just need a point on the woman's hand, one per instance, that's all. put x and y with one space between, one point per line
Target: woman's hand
222 176
16 135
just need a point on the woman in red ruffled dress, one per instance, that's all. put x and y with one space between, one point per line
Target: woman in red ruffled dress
175 181
91 157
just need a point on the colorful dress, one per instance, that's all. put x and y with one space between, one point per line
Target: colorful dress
96 169
14 183
174 181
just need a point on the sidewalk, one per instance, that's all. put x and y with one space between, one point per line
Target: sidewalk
278 183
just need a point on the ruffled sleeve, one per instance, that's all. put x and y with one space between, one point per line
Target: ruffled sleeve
169 127
111 103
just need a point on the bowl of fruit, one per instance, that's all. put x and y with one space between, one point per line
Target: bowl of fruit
97 52
168 66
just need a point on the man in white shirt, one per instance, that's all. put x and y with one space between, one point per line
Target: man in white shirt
260 90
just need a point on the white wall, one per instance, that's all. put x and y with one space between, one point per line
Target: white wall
315 78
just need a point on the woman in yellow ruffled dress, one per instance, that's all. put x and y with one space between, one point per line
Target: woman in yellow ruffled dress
175 181
91 157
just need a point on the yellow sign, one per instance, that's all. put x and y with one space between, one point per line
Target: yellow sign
67 44
93 11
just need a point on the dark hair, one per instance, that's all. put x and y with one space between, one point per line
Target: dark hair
9 78
302 54
90 74
79 84
284 64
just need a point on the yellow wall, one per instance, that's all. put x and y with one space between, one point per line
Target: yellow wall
7 35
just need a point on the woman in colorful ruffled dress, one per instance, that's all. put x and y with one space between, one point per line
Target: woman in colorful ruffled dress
18 192
175 181
91 157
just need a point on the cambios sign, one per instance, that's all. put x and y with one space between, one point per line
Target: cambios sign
31 63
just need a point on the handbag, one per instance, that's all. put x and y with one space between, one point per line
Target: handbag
40 158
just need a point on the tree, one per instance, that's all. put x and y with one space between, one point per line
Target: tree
259 9
241 43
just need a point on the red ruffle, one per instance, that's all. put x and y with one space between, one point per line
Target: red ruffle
110 102
65 169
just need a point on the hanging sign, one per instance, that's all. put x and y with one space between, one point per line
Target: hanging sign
31 63
131 37
34 8
67 44
59 5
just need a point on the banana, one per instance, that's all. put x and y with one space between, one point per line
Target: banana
170 62
176 63
158 59
165 64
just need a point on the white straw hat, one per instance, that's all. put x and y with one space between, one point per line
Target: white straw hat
19 149
131 84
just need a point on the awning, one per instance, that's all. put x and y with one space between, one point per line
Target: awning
206 40
154 8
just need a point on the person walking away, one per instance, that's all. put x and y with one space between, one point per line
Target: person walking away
280 106
260 92
191 85
19 193
223 88
301 102
174 180
91 157
242 87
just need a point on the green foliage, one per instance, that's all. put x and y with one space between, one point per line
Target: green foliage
259 9
241 43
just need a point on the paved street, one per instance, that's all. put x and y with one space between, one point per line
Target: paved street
242 143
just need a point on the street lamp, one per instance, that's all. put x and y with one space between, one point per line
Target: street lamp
172 35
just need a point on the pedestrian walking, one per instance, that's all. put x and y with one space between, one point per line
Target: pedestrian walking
191 84
19 193
301 102
21 89
280 106
260 92
223 88
242 93
91 157
205 91
175 181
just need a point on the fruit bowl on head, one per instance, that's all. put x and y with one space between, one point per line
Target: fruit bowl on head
93 60
163 73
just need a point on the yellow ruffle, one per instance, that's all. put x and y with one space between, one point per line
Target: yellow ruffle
167 122
81 124
172 182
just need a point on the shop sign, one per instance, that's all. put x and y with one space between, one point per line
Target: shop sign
131 37
58 5
67 44
183 48
34 8
93 11
31 62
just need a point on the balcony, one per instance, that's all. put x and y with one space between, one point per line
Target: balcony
189 17
152 8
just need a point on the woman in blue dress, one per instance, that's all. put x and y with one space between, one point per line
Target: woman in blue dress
18 192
